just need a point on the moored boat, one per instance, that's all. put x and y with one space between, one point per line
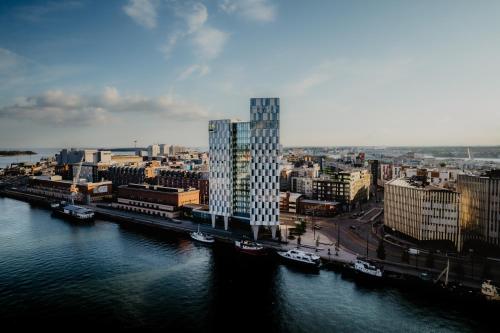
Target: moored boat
201 237
301 258
249 247
490 291
367 269
73 212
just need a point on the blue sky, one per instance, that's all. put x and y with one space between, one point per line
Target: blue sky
103 73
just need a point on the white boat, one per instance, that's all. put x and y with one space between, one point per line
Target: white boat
249 247
300 257
490 291
367 269
201 237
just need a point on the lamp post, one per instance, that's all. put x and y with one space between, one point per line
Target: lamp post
471 251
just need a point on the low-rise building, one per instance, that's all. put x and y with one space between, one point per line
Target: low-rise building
348 187
185 179
155 200
57 188
123 175
421 211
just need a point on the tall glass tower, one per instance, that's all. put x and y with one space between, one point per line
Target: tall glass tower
244 167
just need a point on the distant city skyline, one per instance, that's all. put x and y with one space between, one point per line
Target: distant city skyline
90 73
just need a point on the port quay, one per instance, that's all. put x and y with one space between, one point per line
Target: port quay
339 260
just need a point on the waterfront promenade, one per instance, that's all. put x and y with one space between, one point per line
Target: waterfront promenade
309 240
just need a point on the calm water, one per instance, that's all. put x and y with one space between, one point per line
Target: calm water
40 152
56 273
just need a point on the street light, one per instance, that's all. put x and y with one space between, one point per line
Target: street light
471 251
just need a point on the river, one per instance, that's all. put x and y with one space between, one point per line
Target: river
55 273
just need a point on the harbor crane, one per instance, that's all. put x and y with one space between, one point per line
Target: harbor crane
76 181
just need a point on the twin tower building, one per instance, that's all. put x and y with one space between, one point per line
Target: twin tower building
244 167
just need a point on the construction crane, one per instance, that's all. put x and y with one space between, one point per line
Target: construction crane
76 180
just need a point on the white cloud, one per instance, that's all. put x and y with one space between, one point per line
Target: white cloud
196 18
256 10
209 42
195 69
143 12
63 109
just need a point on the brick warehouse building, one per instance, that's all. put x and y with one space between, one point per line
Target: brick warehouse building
155 200
185 179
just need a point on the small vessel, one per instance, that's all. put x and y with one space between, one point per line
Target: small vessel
201 237
490 291
302 258
367 269
249 247
73 212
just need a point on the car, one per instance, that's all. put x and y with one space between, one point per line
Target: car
353 227
317 227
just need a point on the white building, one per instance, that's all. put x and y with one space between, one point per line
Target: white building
265 153
153 151
221 170
424 212
244 167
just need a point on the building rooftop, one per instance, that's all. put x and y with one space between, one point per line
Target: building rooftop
415 182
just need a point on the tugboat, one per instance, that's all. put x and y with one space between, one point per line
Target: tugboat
490 291
301 258
201 237
249 247
367 269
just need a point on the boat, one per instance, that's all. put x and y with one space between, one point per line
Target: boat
490 291
367 269
73 212
201 237
302 258
249 247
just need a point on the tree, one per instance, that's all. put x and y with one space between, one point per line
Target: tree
442 164
381 250
430 260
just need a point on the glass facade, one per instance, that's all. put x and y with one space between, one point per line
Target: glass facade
241 169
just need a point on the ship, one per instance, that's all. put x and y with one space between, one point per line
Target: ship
300 258
366 269
249 247
201 237
73 212
490 291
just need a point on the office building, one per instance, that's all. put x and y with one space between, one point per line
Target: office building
153 151
244 167
348 187
480 207
421 211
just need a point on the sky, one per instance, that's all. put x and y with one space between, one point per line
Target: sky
92 73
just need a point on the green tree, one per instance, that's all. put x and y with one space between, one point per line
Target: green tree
381 250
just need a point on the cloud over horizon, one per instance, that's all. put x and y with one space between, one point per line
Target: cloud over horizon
59 108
